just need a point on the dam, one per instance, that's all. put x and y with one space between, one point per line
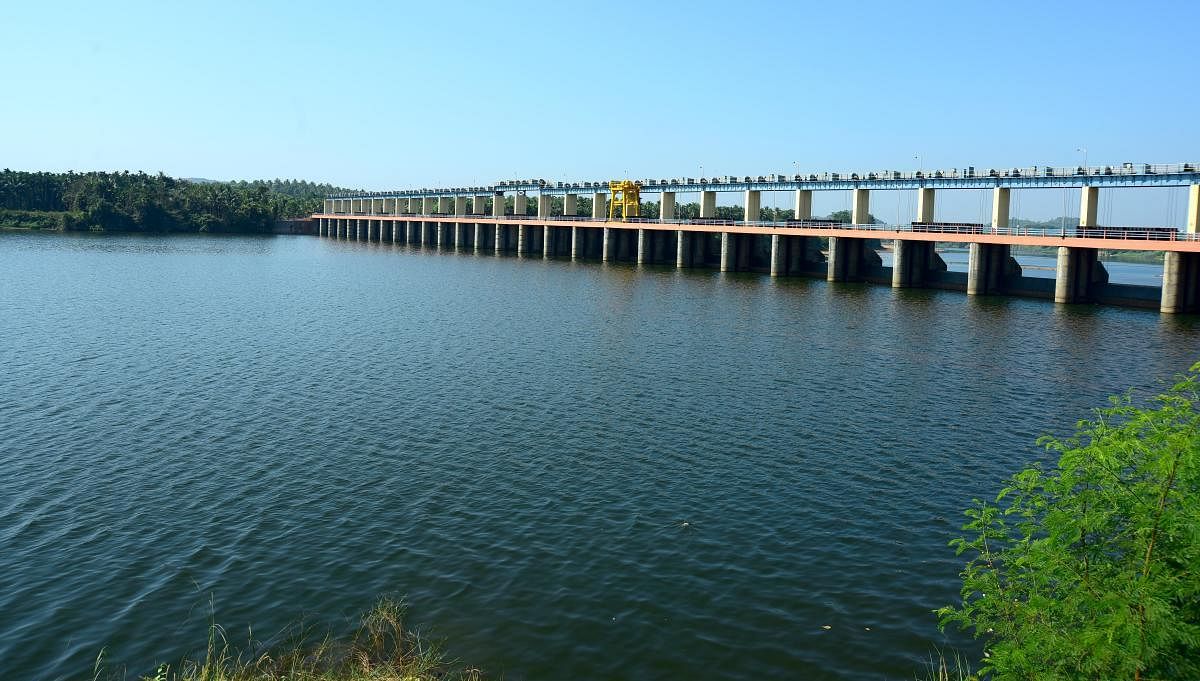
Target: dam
498 219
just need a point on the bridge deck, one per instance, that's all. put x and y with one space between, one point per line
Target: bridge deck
1110 238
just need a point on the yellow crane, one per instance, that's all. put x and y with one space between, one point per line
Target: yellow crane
625 194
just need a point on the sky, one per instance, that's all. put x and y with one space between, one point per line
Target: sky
389 95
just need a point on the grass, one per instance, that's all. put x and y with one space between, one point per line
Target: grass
940 669
381 649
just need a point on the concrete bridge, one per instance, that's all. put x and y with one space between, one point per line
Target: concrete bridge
477 219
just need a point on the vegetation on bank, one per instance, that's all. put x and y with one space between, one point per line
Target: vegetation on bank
382 648
137 202
1091 569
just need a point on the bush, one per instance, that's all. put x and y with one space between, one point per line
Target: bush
1089 570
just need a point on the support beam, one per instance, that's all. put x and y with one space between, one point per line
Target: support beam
925 205
571 204
803 206
753 205
548 239
460 205
499 243
1193 209
543 206
575 245
520 203
1001 200
1089 201
708 205
641 246
608 246
860 213
498 205
1077 274
478 204
599 206
477 242
666 206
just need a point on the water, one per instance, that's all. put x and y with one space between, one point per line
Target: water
271 429
1044 267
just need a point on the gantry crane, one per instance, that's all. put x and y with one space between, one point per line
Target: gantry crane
625 194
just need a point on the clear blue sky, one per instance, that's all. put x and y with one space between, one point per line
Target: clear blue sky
383 95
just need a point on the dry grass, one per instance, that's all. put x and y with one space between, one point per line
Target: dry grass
381 649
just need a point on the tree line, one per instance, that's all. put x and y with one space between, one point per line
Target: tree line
141 202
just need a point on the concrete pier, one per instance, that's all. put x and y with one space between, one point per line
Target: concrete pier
989 267
850 259
753 203
1077 275
708 205
1181 283
666 206
913 261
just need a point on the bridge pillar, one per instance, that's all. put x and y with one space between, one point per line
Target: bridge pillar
543 206
838 264
803 204
1078 272
1001 201
793 254
912 261
395 231
735 251
849 258
499 237
478 204
925 206
599 206
575 235
460 205
444 204
988 267
666 206
426 205
522 233
608 246
1181 283
477 242
860 211
685 247
358 229
520 203
549 240
753 205
1193 209
708 205
571 204
1089 201
498 205
641 247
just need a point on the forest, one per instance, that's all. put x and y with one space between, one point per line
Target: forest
140 202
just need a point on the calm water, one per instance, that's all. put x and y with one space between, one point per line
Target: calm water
288 427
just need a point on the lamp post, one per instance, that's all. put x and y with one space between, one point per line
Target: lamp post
1084 150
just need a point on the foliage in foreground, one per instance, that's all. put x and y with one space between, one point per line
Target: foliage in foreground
1090 570
381 649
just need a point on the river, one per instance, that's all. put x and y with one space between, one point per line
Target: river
568 470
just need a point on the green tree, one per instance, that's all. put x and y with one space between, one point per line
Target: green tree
1091 570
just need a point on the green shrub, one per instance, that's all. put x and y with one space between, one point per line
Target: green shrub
1090 570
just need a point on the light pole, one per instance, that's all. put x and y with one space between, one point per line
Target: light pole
917 158
1084 150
